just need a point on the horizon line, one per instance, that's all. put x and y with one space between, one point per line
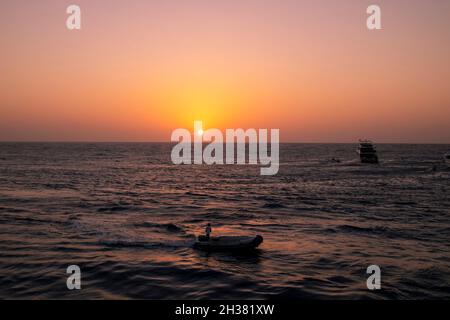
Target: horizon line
169 142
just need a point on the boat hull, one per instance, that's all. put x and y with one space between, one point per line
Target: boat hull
228 243
372 159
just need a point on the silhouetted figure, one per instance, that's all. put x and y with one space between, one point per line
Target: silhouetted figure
208 231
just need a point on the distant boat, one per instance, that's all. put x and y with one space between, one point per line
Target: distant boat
367 152
447 159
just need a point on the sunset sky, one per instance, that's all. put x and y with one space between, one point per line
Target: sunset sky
139 69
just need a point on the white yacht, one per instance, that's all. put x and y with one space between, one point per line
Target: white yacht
367 152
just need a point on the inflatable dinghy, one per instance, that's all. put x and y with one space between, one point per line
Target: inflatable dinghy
228 243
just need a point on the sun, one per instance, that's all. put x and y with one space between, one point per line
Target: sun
200 132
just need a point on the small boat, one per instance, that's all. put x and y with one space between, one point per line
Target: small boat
228 243
367 152
447 159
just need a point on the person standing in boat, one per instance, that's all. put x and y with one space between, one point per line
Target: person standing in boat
208 231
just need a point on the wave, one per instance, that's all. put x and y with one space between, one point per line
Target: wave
171 227
123 243
113 209
377 230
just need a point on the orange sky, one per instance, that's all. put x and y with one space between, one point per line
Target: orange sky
139 69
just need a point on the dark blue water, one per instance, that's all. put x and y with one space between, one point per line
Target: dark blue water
128 218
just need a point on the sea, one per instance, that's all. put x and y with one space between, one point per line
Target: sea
128 218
